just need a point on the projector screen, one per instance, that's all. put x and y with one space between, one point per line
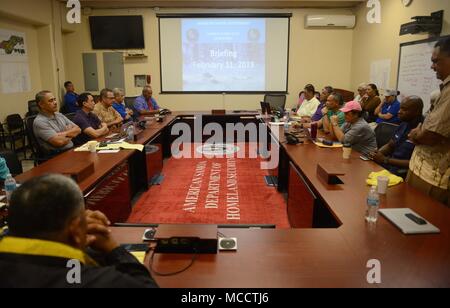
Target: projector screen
224 54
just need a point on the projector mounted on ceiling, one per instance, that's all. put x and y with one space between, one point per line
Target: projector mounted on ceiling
424 24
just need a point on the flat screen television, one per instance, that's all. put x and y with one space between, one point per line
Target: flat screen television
117 32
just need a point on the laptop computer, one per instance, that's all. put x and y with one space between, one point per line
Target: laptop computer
122 133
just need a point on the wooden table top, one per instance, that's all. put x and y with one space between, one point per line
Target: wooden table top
307 257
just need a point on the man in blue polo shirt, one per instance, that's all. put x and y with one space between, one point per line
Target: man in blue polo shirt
388 110
70 99
395 155
119 105
90 125
146 104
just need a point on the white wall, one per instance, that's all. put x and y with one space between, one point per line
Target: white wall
321 57
372 42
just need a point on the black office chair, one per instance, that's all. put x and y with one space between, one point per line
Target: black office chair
39 154
276 101
33 108
2 137
12 161
384 133
129 101
16 132
70 116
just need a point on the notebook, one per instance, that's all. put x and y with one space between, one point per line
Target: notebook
406 225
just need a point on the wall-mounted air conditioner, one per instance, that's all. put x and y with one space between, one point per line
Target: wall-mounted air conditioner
330 21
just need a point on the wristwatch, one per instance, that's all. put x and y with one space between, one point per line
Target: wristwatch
386 160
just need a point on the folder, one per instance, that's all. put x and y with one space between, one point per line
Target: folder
406 225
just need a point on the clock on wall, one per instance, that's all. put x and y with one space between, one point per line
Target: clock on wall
407 2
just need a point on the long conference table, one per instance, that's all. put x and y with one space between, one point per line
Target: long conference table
331 244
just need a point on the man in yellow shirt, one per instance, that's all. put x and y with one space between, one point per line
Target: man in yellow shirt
430 163
105 111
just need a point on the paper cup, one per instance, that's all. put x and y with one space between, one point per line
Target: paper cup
347 152
92 146
383 184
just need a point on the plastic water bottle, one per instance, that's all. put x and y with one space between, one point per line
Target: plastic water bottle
373 204
130 133
10 186
286 123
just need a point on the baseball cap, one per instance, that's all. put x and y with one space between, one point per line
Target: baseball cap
389 92
352 106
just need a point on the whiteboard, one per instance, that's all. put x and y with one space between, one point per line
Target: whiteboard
415 76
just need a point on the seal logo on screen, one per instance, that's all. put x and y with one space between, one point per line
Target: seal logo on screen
216 149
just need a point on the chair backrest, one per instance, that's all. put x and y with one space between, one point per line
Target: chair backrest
276 101
384 133
33 108
12 161
129 102
347 95
70 116
2 136
35 146
14 122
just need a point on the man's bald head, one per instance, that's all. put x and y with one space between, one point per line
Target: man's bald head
411 108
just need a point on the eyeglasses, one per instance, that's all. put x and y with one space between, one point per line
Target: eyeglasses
109 97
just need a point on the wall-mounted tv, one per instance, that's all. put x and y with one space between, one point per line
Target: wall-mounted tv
117 32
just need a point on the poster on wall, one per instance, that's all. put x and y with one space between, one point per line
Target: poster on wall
380 73
14 77
12 45
14 67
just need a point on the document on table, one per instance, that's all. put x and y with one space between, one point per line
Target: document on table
139 255
109 151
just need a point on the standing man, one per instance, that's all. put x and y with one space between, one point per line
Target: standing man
70 99
105 112
429 169
52 129
90 125
146 104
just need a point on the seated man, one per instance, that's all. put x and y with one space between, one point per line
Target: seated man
53 130
146 104
356 131
395 155
119 105
90 125
309 105
70 99
321 111
387 111
335 101
48 227
105 112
